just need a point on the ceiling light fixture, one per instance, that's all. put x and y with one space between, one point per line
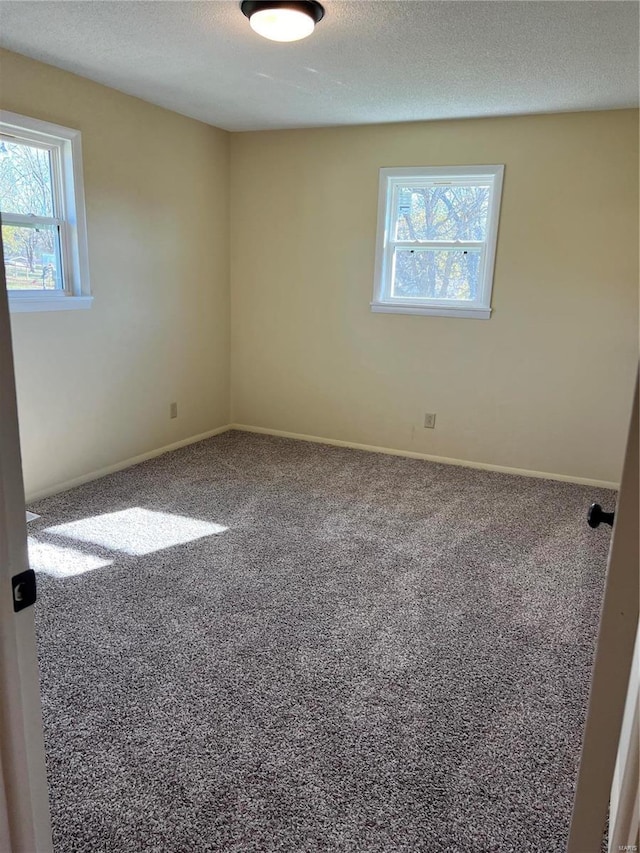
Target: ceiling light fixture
281 20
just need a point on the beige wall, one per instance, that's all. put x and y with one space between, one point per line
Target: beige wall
94 387
544 385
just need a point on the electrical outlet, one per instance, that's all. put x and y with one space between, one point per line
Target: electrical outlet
173 410
429 421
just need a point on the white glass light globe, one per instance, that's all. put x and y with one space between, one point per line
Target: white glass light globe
282 24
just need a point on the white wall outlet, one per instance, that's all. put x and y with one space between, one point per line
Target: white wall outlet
429 420
173 410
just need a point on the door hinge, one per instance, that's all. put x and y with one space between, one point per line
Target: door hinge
24 590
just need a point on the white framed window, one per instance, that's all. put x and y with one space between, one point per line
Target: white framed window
44 231
436 242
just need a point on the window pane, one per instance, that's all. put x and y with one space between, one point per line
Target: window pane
436 273
25 179
32 257
442 213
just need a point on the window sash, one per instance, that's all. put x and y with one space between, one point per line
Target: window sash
449 302
57 182
393 209
437 244
30 221
46 222
393 203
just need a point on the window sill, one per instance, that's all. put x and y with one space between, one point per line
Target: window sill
430 310
59 302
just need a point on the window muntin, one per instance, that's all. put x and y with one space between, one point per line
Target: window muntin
437 230
42 211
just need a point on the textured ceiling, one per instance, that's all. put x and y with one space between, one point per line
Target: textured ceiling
368 60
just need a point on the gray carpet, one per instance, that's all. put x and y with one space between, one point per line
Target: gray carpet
329 650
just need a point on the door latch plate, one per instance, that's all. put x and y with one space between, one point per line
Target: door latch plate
24 590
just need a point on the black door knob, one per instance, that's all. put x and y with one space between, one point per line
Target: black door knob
597 515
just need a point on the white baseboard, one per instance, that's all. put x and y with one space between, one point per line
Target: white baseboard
445 460
125 463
